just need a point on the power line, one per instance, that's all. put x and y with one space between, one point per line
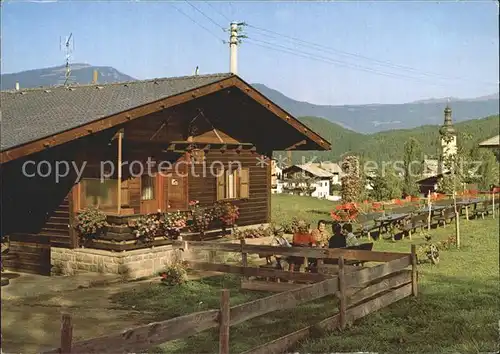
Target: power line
334 61
379 62
206 16
219 12
327 60
194 21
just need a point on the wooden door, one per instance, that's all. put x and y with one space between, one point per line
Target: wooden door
176 189
151 194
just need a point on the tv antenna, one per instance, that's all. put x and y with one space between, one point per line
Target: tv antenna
69 46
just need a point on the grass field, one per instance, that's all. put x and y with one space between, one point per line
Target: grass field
457 309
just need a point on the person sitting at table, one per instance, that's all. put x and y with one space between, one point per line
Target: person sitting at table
350 238
279 240
301 238
320 234
338 239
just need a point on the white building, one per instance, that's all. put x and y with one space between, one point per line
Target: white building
307 179
276 178
333 168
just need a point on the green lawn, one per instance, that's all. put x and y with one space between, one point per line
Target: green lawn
285 207
457 309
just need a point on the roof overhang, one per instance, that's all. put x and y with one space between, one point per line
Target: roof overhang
493 142
117 119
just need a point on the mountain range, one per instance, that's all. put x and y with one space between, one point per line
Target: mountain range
389 145
367 119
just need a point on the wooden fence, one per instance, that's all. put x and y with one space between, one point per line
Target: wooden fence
359 292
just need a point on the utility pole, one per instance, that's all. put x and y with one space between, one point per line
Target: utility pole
235 39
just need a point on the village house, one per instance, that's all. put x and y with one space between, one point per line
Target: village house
333 168
493 144
307 179
133 149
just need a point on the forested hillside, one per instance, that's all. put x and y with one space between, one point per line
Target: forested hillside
388 145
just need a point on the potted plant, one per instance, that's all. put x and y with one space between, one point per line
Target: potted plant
91 222
201 218
227 213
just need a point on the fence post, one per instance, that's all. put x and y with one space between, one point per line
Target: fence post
66 334
414 274
493 202
224 322
342 293
244 256
457 220
430 211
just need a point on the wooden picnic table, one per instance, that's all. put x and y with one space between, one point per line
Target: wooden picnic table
389 222
468 202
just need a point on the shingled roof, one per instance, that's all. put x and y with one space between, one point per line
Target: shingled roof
33 114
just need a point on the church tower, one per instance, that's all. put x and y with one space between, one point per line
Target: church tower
448 137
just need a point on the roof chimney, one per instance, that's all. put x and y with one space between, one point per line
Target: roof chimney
17 86
94 79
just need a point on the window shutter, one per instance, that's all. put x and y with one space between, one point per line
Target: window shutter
244 183
220 184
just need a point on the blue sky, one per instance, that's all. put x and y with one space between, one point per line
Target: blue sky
397 51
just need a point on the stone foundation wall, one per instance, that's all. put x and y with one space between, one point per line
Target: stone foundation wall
136 263
131 265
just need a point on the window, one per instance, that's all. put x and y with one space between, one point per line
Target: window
147 187
102 195
233 184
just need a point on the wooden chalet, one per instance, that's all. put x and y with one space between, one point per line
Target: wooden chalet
185 125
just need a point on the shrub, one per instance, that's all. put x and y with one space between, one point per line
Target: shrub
290 227
428 251
174 223
147 227
258 232
174 274
449 242
90 222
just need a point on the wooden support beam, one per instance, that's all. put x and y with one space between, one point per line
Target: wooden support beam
119 184
294 146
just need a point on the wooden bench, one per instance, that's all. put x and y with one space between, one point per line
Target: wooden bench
482 208
418 221
447 215
366 224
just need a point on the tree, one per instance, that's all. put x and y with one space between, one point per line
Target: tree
351 182
386 185
412 167
484 168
